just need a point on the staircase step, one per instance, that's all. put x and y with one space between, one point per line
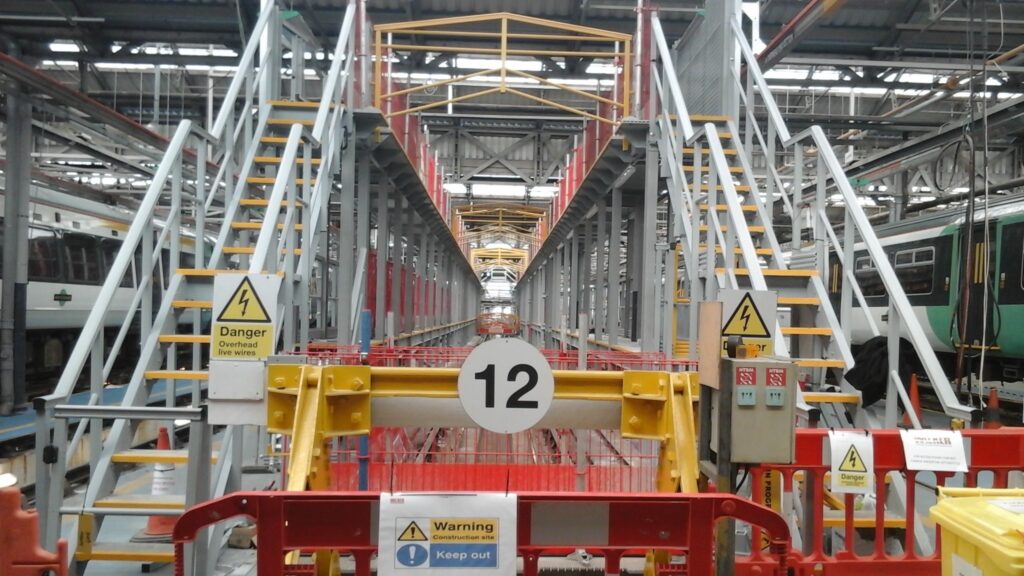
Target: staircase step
805 331
799 301
724 228
197 304
724 207
295 104
250 202
277 160
128 552
706 169
143 501
830 398
151 456
177 375
276 140
773 272
210 273
290 121
257 226
737 250
252 250
705 151
272 179
861 519
185 338
739 187
819 363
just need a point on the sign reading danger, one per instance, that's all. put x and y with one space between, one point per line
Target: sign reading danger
244 308
750 314
853 458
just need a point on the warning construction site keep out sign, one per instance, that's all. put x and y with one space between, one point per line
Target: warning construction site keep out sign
243 316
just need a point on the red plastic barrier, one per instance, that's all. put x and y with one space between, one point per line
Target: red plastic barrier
681 524
20 553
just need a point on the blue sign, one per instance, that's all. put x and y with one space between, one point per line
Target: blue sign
412 555
463 555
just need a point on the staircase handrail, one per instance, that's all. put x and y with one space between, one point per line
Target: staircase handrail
227 107
342 51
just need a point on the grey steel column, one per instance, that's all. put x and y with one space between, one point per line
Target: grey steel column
421 273
363 225
574 279
346 243
15 251
648 277
396 263
554 321
600 279
588 272
383 242
412 232
614 259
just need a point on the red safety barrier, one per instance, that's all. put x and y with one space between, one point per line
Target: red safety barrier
678 524
992 455
20 552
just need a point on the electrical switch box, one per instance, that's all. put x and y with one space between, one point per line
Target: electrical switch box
762 426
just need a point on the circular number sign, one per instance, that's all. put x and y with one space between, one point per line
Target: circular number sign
506 385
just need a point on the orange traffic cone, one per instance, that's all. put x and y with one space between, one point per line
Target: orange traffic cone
160 528
915 401
992 412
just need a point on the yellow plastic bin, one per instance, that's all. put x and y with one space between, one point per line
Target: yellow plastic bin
982 531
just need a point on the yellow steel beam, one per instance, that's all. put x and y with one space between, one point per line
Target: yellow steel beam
570 89
510 35
497 51
439 83
444 102
457 20
560 106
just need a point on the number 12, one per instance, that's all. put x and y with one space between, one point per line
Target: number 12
516 399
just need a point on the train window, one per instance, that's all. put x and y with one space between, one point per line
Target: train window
82 259
43 255
915 269
110 248
868 278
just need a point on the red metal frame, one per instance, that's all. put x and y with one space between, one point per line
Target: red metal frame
309 521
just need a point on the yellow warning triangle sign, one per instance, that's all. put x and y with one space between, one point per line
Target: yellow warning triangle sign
746 320
244 305
852 462
412 533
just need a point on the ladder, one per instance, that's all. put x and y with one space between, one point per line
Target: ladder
729 215
247 196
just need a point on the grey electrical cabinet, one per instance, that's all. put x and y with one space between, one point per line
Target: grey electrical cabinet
763 425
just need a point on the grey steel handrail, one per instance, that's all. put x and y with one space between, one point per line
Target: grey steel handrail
227 107
342 51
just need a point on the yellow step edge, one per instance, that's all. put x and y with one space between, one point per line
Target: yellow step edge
799 301
705 169
819 363
257 226
830 398
703 118
759 251
114 553
177 375
728 151
805 331
170 502
193 304
263 202
290 121
185 338
252 250
210 273
724 207
773 272
739 187
723 228
294 104
277 160
865 521
272 179
151 456
276 140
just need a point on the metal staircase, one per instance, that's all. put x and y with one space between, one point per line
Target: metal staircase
728 218
273 163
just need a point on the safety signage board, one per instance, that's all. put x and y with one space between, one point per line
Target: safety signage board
750 314
853 461
934 450
506 385
427 534
244 316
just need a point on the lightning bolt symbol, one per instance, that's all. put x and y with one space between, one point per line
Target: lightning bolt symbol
745 316
243 299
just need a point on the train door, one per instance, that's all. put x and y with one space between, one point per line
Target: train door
981 271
